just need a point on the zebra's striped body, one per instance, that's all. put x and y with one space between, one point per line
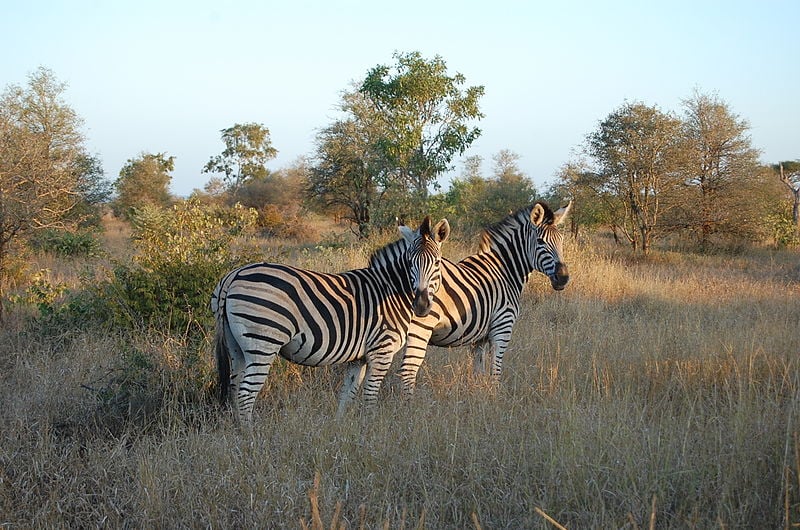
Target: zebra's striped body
311 318
479 300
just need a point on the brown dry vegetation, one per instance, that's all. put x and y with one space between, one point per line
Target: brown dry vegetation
663 392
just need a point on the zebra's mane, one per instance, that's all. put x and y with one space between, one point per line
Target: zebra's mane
387 254
511 222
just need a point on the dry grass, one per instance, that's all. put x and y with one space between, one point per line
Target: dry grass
649 394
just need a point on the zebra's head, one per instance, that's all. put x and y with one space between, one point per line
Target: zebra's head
547 247
424 255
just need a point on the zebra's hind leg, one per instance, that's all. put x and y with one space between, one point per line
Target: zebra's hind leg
352 385
377 368
483 353
255 372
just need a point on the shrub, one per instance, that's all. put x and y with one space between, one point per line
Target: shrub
784 231
66 243
181 254
284 221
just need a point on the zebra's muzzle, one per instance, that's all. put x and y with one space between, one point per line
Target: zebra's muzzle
560 279
422 303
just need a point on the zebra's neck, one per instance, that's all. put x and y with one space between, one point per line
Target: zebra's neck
506 243
389 264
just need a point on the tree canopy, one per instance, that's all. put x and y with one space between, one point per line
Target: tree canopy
41 152
248 148
144 181
650 173
636 150
425 119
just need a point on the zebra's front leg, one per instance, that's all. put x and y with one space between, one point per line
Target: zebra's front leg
413 357
378 364
352 384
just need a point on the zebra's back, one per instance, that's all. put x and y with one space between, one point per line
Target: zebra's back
314 318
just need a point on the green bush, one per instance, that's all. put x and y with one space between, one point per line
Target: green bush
784 231
181 254
66 243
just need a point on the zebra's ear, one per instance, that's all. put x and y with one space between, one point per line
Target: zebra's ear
537 214
407 233
441 231
561 214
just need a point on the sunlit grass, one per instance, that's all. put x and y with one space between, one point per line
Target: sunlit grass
662 390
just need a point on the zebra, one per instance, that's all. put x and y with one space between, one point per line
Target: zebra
263 310
478 302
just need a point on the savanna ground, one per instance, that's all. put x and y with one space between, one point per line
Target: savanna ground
659 393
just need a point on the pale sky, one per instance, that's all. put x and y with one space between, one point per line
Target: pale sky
163 76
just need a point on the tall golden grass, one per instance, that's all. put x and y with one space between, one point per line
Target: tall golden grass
658 393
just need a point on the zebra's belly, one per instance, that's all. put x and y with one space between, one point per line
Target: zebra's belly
445 335
302 349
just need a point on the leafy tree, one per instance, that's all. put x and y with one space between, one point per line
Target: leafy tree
41 149
510 188
466 196
248 148
182 252
637 150
347 168
477 202
278 198
93 189
593 204
722 171
283 187
143 181
423 115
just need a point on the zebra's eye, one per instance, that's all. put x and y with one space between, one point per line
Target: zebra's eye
540 241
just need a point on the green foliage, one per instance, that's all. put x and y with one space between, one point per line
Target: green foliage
42 293
784 231
182 253
475 202
248 148
41 148
348 168
637 150
143 181
94 192
424 116
81 243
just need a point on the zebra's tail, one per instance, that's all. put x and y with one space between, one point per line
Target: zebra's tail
223 357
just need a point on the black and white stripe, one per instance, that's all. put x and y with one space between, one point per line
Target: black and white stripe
479 300
312 318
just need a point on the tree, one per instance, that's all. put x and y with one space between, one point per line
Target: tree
510 189
478 202
143 181
424 116
466 196
348 174
722 171
248 148
41 148
283 188
637 149
789 172
593 204
341 179
93 189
